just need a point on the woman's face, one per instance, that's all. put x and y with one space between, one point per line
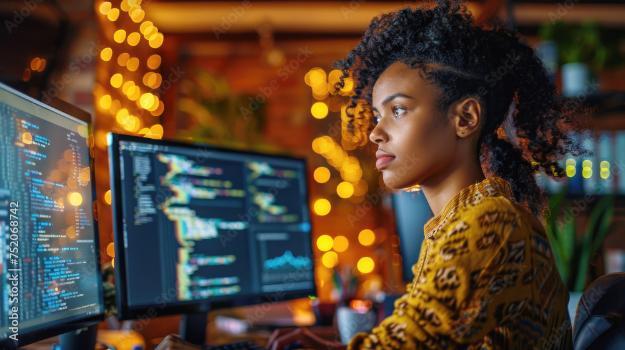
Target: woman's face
416 141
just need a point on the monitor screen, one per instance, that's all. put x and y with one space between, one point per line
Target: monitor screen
49 266
198 224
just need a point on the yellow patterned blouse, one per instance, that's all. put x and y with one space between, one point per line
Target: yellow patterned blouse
485 279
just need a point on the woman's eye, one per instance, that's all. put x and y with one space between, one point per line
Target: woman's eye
398 111
376 119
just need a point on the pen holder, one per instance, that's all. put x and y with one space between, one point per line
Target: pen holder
350 322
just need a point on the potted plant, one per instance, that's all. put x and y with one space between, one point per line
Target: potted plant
575 246
582 52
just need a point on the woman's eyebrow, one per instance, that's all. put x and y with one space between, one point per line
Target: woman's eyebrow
392 97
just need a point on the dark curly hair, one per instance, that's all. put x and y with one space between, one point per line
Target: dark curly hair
465 60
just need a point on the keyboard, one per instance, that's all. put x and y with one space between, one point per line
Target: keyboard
243 345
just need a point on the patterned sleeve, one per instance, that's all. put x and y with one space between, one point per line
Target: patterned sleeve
467 288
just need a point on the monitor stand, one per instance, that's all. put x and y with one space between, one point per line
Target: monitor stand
193 327
80 339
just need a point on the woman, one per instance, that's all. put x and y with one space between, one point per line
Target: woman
447 100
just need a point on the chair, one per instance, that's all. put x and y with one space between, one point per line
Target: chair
600 317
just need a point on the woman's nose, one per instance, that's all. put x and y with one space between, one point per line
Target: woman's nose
378 135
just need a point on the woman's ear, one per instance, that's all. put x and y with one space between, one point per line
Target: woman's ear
467 117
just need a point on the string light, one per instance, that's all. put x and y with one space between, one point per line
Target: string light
321 174
366 237
325 243
341 243
365 264
322 207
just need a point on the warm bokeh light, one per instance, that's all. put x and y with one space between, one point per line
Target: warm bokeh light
132 64
321 174
147 101
365 264
587 169
319 110
156 40
325 243
105 7
122 59
110 250
117 80
133 39
329 259
154 61
604 169
345 189
74 199
113 15
366 237
137 15
27 138
119 36
108 197
322 207
105 102
316 77
341 243
106 54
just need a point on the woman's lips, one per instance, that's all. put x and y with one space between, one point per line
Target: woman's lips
383 161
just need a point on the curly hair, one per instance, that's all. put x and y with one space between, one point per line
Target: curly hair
465 60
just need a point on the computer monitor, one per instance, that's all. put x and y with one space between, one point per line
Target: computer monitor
411 211
49 265
200 227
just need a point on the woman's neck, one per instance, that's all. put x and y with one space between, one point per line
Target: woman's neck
438 190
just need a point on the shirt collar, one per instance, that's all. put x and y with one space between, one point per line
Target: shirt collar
468 196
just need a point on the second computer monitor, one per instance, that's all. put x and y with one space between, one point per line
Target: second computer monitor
198 225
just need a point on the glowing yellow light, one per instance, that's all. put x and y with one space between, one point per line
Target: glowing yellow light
133 3
570 162
105 7
119 36
321 174
116 80
156 41
122 59
604 174
345 189
604 164
324 243
133 39
329 259
27 138
317 77
341 243
134 93
105 102
587 173
122 116
146 27
152 80
133 124
108 197
110 250
156 131
113 15
133 64
319 110
587 163
113 263
147 100
137 15
154 61
322 207
74 198
570 171
127 86
366 237
106 54
365 264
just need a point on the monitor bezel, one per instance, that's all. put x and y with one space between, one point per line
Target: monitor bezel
78 322
125 311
